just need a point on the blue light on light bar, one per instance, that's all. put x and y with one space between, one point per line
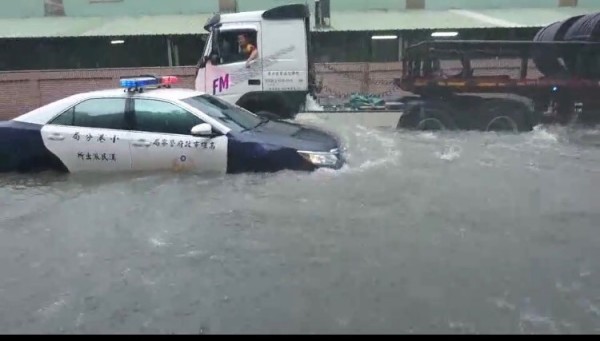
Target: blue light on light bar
138 82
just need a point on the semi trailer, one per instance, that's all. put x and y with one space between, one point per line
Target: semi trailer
452 84
505 85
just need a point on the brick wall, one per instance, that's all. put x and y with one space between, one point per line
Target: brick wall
24 91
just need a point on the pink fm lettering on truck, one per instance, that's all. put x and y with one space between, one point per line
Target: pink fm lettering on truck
221 83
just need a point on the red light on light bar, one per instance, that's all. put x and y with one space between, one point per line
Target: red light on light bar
168 80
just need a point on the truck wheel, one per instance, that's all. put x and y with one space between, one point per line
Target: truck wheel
502 123
429 119
504 116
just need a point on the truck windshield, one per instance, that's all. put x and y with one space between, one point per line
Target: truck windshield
234 117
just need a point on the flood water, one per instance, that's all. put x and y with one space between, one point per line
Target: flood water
420 233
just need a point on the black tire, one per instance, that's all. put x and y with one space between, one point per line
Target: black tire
426 118
505 115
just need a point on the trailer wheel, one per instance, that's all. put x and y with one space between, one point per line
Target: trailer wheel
505 116
431 123
427 119
502 123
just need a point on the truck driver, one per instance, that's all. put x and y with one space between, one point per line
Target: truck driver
249 50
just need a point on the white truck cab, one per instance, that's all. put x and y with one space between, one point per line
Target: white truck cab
278 81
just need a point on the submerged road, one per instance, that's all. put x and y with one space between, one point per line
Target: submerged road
420 233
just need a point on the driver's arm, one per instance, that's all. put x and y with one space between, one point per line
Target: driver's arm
253 55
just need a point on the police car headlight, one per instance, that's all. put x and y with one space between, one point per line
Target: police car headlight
322 159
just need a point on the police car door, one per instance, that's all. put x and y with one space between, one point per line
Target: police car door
230 79
162 140
91 136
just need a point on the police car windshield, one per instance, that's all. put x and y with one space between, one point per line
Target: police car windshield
232 116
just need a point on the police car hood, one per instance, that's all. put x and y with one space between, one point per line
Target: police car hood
291 135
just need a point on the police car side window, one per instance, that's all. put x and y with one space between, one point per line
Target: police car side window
107 113
66 118
161 117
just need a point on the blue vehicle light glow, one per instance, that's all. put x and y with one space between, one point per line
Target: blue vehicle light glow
139 82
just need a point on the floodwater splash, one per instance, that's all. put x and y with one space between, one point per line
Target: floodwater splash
544 134
427 135
366 147
311 104
550 136
450 154
370 148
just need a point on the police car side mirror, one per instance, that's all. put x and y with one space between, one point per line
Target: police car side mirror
202 129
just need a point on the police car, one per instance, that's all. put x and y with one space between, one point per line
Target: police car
146 125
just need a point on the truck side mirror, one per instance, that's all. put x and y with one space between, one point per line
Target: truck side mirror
214 59
201 63
215 40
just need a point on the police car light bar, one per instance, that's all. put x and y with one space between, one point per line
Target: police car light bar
168 80
140 82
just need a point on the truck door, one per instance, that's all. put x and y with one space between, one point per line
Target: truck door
285 67
230 78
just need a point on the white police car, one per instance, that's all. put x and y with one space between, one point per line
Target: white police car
148 126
